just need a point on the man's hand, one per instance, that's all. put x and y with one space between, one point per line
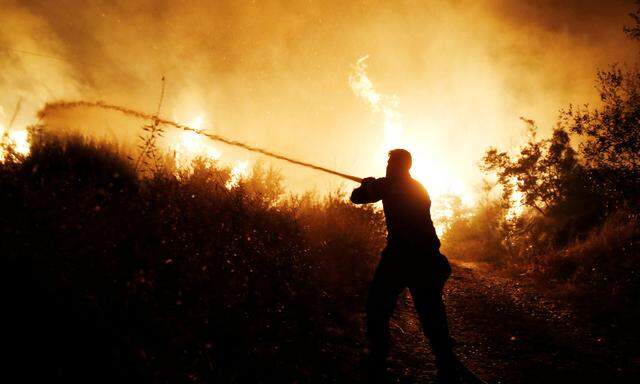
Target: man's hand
366 192
368 180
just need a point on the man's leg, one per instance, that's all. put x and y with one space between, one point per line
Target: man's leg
433 316
381 301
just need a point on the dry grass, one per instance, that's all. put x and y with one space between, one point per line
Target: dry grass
108 276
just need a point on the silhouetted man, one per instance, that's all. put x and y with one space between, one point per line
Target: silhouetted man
411 259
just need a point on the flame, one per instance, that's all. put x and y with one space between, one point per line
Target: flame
516 207
190 145
428 171
18 139
238 172
363 87
197 122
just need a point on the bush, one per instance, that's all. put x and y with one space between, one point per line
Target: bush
474 234
172 278
605 262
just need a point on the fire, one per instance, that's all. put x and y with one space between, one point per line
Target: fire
238 172
18 139
429 171
516 207
363 87
191 145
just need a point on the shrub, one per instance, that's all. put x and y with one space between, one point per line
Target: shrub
171 278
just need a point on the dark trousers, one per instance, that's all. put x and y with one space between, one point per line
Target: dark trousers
425 277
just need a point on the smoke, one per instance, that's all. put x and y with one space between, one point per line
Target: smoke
50 108
275 73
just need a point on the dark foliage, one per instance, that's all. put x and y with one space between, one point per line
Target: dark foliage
109 278
577 232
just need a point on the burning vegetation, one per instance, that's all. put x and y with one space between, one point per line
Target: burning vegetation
200 270
171 259
197 275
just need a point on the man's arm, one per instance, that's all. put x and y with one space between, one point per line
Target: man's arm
369 191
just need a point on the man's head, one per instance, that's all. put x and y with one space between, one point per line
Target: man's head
399 163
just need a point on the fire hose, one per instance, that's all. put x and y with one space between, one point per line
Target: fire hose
50 107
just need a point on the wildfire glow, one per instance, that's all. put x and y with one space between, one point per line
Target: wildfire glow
430 172
384 104
516 208
238 172
191 145
18 139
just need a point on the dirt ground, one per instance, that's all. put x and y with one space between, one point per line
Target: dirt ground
505 333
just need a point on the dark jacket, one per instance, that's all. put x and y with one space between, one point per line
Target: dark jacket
406 206
413 253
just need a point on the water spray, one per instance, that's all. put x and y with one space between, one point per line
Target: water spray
51 107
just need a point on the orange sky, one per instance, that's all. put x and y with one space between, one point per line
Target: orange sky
276 73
